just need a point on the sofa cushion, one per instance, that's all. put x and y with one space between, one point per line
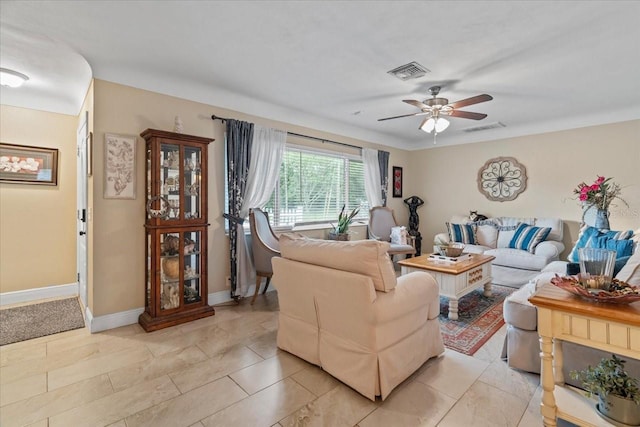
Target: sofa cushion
475 249
527 237
517 258
463 233
556 226
366 257
487 233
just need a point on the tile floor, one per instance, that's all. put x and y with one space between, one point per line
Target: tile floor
226 370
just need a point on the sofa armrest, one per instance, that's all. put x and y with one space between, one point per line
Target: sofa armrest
413 291
544 278
549 249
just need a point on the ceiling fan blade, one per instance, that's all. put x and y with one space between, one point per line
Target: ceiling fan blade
405 115
418 104
423 122
467 115
470 101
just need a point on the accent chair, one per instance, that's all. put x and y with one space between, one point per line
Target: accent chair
381 221
264 245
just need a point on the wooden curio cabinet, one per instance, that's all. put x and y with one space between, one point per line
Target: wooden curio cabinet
176 229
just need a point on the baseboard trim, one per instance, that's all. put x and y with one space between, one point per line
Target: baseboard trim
225 296
35 294
111 321
99 323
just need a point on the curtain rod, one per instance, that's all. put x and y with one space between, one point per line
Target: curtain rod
214 117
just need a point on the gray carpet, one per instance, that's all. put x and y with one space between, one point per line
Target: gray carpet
37 320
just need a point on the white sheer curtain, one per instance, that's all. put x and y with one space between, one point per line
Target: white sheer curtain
267 151
372 176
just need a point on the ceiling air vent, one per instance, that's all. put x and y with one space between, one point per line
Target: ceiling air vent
409 71
485 127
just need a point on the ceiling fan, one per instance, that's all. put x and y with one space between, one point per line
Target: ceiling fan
434 108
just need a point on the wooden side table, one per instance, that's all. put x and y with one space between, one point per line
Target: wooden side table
562 316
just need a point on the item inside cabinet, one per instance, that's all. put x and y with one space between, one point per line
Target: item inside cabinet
170 297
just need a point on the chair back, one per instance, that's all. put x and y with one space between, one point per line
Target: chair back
264 243
381 220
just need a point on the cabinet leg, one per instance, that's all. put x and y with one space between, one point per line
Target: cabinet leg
548 406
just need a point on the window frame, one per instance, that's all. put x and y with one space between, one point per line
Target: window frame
363 216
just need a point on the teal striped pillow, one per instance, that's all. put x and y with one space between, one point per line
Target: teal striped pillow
463 233
527 237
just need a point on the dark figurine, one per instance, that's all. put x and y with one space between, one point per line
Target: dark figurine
413 203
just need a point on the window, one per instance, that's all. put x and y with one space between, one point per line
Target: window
314 185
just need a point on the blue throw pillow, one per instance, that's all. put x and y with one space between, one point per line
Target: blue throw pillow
527 237
587 233
463 233
583 239
622 248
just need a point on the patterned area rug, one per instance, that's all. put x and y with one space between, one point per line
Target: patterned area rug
479 318
37 320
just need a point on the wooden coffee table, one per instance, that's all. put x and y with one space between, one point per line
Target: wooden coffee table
454 279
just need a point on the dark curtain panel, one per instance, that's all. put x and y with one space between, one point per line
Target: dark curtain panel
239 137
383 160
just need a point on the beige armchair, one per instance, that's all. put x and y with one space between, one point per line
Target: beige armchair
381 220
342 308
264 245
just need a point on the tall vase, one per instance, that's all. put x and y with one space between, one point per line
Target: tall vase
595 217
602 219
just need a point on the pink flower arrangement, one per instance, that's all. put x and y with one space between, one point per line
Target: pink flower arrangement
599 194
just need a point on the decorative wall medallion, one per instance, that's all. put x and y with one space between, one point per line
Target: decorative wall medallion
502 179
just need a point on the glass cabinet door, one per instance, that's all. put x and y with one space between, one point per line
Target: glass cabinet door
192 176
170 178
148 274
192 267
169 271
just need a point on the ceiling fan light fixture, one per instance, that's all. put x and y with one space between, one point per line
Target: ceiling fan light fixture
441 124
12 78
429 125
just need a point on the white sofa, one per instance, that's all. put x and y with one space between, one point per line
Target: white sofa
512 267
521 345
342 308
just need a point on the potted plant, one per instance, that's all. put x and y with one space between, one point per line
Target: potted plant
618 393
341 230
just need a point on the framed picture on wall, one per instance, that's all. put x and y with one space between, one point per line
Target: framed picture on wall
119 166
397 181
23 164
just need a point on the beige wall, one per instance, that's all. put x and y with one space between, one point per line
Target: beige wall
37 223
118 232
445 177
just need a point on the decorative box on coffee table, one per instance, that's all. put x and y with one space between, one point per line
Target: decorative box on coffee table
176 229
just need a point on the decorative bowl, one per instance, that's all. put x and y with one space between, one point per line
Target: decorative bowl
451 250
619 292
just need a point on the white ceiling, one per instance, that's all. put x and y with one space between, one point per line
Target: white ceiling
549 65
